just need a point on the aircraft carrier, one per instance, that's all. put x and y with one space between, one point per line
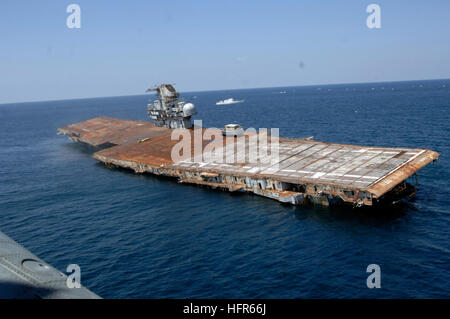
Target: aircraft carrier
305 170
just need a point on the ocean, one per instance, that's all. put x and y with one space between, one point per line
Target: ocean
142 236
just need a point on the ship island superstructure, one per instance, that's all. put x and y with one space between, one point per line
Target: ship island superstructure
168 111
305 170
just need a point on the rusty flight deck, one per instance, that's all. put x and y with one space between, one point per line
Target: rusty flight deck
305 170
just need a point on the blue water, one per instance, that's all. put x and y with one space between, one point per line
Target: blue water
140 236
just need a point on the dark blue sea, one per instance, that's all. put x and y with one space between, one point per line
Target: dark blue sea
140 236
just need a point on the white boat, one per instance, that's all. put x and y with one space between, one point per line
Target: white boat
229 101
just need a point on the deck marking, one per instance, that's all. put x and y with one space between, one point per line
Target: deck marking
394 170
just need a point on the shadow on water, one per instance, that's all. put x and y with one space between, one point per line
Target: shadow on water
368 215
82 148
15 290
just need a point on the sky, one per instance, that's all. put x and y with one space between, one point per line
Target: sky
124 47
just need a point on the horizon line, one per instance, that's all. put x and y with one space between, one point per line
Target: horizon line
216 90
